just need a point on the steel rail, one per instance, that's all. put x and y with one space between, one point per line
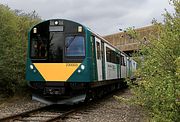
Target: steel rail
24 114
62 116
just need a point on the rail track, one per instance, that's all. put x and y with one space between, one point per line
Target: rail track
51 113
48 113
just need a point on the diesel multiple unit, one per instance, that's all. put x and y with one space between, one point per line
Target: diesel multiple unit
66 59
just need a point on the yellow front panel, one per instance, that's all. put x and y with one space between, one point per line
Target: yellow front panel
56 71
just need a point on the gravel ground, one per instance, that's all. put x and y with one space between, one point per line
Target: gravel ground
106 110
17 105
110 110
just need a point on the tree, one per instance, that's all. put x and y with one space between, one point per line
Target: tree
159 87
13 44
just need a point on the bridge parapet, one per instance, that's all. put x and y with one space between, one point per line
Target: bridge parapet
127 43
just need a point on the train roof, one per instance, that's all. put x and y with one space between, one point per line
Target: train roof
100 37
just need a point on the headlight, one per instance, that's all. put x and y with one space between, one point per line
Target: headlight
79 71
79 29
34 30
56 23
31 67
82 67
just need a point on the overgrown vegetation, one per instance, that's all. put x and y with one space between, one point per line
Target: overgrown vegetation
159 69
14 26
159 61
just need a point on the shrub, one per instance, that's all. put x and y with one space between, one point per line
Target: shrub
159 88
13 44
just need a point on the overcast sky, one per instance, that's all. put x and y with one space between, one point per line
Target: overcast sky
103 16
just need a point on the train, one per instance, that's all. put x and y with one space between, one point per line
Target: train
68 62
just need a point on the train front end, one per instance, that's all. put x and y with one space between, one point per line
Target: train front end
57 61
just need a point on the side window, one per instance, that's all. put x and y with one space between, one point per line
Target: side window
117 58
122 60
98 50
108 54
102 49
112 56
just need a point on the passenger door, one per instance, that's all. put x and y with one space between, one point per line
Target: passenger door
123 66
98 58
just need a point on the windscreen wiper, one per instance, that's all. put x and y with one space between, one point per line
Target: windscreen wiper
68 44
51 39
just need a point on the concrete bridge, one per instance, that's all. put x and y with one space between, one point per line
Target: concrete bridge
126 42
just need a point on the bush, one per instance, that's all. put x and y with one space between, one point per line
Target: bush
159 88
13 44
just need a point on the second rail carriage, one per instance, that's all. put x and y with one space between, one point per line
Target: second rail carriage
66 59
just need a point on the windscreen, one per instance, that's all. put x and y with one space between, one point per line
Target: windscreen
38 47
57 41
75 46
56 45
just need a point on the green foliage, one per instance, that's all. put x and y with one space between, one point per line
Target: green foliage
132 33
159 69
178 67
13 44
